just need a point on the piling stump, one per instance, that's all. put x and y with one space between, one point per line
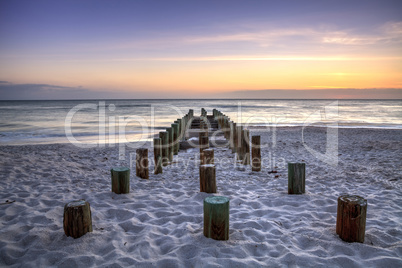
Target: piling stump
204 142
234 138
216 217
238 142
77 219
165 147
175 145
208 157
170 136
296 178
351 218
120 180
158 155
180 122
245 149
141 168
231 125
207 179
256 153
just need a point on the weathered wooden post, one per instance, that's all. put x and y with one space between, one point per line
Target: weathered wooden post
224 126
202 134
296 178
158 155
351 218
77 219
207 179
141 168
245 149
205 128
227 127
165 147
184 127
207 157
204 142
180 123
233 140
175 129
221 118
256 153
231 135
239 139
170 135
203 112
120 180
216 217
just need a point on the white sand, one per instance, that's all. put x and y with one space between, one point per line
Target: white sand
160 223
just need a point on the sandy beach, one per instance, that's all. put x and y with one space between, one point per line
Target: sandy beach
159 223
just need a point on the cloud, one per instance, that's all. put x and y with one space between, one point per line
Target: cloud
254 42
393 28
335 93
386 33
255 58
390 32
10 91
256 36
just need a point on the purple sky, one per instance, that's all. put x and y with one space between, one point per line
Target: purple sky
171 48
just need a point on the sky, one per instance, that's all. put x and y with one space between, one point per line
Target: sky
200 49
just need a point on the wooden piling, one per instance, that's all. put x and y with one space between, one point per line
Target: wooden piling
233 140
141 168
180 137
245 149
207 157
238 142
231 135
296 178
184 127
165 147
351 218
120 180
216 217
204 142
256 153
207 179
227 127
158 155
175 129
77 219
170 135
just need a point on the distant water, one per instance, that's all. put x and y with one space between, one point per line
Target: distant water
108 121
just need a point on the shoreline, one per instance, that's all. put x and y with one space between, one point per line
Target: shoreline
254 128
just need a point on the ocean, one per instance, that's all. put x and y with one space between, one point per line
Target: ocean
113 121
